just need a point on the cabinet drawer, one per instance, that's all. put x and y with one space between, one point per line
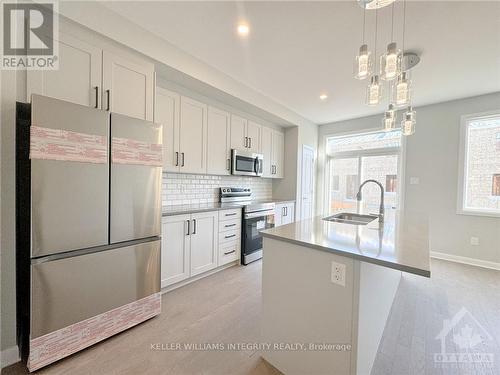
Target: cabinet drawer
230 235
228 252
230 214
229 225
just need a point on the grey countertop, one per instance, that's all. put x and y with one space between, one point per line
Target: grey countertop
401 242
203 207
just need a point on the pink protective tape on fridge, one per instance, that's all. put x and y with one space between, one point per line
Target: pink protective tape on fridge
65 145
129 151
56 345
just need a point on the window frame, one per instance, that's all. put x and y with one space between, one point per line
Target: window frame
462 165
399 151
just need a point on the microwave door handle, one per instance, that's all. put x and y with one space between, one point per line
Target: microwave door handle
256 165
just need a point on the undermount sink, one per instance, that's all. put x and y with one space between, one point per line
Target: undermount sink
350 218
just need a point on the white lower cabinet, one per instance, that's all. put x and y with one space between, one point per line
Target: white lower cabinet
204 241
189 246
229 236
175 249
284 213
196 243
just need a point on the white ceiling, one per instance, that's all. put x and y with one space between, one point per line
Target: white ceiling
297 50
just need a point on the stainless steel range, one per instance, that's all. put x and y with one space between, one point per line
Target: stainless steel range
257 216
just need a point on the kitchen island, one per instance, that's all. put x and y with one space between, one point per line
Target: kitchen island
328 287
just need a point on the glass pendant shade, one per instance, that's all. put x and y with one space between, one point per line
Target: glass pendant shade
409 121
390 63
389 119
363 63
374 91
401 90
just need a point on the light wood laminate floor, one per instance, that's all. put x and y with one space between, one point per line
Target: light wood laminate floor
225 307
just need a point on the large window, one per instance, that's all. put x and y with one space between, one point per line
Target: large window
355 158
479 185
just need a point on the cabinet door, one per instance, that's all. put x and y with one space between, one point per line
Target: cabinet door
78 79
238 133
167 114
266 149
253 134
204 241
288 213
218 142
175 244
128 87
278 215
278 154
193 136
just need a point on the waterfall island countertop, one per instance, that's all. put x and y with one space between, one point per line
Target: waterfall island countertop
401 242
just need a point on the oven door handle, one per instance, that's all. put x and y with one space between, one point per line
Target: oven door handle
253 215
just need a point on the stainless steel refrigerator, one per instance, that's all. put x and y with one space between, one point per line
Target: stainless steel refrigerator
88 221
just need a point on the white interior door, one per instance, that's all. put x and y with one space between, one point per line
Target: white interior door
307 189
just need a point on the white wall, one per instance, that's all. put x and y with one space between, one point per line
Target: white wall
432 156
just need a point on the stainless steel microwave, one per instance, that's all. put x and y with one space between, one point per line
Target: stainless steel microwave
246 163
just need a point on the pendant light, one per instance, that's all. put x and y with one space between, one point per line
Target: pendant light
363 61
374 89
389 120
409 121
401 90
390 62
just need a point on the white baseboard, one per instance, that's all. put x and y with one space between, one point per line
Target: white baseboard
466 260
10 356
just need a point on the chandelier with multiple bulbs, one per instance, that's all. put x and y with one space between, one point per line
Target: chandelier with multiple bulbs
393 67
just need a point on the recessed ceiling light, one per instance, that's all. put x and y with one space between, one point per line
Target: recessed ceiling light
243 29
323 96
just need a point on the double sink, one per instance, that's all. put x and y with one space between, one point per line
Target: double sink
351 218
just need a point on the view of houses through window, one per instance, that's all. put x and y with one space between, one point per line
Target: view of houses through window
354 159
482 164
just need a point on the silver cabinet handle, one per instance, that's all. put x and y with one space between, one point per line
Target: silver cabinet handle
176 158
182 154
230 236
189 225
246 142
229 225
194 226
231 214
108 94
250 142
282 211
228 164
286 211
96 96
230 252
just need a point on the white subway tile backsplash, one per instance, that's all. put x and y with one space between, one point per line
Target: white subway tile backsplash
195 189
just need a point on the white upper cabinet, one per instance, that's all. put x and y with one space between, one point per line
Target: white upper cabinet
167 111
128 87
193 136
278 159
204 241
78 79
253 134
266 146
239 139
219 142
